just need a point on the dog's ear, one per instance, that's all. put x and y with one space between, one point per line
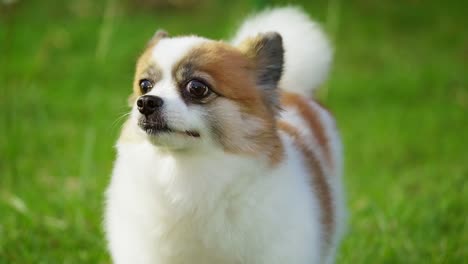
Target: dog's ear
266 51
160 34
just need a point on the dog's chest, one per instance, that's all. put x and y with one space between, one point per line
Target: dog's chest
189 216
223 212
187 240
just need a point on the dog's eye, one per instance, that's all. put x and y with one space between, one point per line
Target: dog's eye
145 85
197 89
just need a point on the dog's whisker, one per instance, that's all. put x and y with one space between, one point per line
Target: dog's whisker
120 118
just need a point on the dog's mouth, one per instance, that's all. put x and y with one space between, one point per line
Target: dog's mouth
152 128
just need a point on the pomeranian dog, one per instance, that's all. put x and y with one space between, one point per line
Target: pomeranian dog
225 157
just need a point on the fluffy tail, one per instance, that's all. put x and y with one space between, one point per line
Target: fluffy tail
308 53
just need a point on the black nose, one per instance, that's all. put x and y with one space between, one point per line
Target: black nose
148 104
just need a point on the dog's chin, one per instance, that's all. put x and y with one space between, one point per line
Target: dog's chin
163 135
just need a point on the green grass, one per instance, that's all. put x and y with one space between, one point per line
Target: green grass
398 89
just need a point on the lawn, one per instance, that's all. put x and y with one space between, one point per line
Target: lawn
399 90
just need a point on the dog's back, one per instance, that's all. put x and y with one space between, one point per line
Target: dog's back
308 56
314 133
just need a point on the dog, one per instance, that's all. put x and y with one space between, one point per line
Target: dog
225 156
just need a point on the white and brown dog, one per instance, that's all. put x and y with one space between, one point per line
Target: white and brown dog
224 158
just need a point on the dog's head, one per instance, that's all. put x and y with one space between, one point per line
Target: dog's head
191 92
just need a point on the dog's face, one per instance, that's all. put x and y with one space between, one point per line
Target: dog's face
191 91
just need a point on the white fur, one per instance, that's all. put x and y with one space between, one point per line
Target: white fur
168 52
308 54
210 207
202 205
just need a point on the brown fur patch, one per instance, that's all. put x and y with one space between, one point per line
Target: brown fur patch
232 71
312 118
233 77
146 67
318 177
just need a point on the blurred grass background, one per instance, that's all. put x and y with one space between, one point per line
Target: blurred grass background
398 89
